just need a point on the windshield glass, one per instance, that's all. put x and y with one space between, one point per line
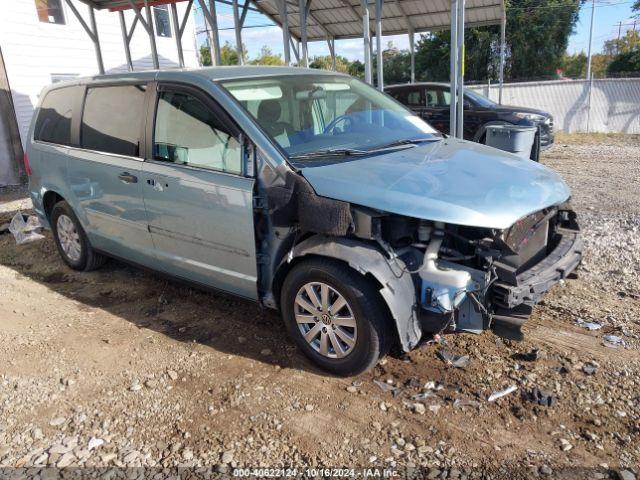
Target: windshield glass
478 99
319 113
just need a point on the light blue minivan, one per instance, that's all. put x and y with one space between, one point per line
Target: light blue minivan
307 191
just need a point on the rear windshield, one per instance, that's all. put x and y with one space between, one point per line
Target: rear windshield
54 116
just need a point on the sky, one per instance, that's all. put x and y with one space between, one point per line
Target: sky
260 31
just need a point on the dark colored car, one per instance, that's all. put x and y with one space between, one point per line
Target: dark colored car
431 101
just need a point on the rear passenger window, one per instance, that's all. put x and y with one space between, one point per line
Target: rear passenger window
112 119
187 132
54 117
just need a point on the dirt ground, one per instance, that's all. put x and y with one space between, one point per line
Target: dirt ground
119 367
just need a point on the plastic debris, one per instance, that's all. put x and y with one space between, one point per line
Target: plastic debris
589 325
501 393
543 397
612 341
589 368
387 387
465 403
458 361
423 396
24 228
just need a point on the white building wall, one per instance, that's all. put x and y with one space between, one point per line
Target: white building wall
35 52
612 106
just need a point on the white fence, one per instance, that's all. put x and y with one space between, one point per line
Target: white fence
612 105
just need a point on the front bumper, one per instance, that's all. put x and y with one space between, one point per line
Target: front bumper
532 284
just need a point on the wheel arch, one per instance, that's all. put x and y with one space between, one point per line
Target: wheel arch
396 288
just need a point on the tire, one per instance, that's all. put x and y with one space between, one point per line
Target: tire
370 335
66 228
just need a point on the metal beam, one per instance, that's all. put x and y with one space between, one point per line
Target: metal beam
503 52
303 7
210 17
461 54
366 38
125 40
412 53
92 31
281 5
453 76
380 62
176 32
237 26
152 36
331 42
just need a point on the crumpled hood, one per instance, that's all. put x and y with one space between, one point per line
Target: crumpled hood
450 180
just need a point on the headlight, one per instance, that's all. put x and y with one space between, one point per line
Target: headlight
533 117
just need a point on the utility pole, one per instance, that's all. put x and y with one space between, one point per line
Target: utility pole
593 11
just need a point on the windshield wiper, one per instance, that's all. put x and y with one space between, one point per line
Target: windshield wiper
330 152
405 141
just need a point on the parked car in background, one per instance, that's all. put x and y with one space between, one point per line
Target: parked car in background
306 191
431 101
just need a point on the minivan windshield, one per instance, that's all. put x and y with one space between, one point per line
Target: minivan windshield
312 116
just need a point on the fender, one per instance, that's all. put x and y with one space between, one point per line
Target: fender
398 290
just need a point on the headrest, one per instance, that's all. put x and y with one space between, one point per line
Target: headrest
269 111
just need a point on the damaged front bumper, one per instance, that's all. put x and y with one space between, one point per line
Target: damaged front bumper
514 295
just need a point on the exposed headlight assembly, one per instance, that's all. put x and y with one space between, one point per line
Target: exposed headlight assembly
533 117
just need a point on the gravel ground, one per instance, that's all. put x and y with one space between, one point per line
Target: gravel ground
119 368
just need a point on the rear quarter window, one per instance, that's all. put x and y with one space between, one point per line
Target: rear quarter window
112 119
53 124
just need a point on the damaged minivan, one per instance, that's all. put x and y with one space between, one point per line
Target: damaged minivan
307 191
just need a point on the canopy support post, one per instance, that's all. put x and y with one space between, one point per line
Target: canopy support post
237 26
366 38
304 6
214 39
380 64
503 53
331 41
461 54
453 76
152 36
91 31
412 52
125 40
286 43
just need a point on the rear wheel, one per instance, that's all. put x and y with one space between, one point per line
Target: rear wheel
335 316
71 240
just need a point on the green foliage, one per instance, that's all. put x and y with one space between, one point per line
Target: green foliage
537 37
628 43
267 57
397 65
625 63
574 66
228 55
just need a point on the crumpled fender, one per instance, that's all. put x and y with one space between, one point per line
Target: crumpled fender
398 290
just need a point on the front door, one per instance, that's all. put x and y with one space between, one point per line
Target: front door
199 203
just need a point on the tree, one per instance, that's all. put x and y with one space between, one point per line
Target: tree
628 43
324 62
574 66
537 36
267 57
396 63
228 55
625 63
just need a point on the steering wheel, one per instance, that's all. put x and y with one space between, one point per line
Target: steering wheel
331 128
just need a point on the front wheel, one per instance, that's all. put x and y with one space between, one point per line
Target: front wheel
335 316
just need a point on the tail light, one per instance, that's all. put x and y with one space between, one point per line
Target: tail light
27 166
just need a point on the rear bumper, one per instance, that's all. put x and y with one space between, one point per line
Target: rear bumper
531 285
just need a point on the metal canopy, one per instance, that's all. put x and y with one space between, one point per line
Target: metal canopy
340 19
115 5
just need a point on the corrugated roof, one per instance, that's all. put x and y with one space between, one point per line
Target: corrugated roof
343 18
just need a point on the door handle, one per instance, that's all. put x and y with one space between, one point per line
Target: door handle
126 177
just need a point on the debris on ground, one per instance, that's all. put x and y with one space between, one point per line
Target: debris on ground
589 368
387 387
457 361
461 403
588 325
612 341
530 356
542 397
501 393
25 228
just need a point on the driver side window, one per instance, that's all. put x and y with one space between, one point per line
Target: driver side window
187 132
